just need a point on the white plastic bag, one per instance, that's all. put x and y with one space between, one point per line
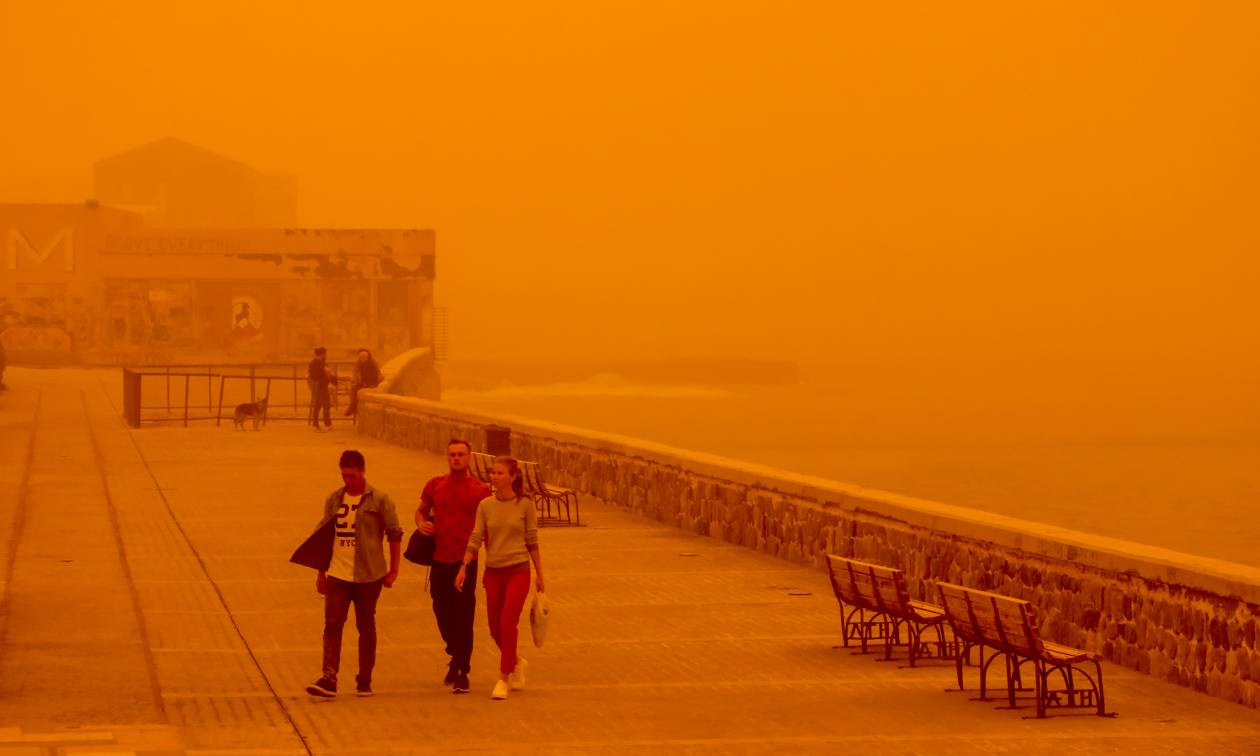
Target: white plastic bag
539 612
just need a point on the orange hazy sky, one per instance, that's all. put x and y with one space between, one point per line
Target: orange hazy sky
788 179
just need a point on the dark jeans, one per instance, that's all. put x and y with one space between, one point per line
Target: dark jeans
337 599
455 610
320 398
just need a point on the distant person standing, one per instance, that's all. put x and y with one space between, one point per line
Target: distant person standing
347 550
3 363
367 374
507 523
318 377
447 511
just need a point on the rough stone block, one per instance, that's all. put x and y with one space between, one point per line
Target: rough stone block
1251 694
1161 666
1168 643
1233 632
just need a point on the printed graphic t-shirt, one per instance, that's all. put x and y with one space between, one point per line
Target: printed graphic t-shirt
345 543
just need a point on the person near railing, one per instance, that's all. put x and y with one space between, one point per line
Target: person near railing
367 374
318 377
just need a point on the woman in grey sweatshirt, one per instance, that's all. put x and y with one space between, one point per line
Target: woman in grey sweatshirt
507 523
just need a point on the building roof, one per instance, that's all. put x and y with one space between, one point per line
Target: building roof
167 148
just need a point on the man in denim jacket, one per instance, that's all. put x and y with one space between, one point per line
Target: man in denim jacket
347 549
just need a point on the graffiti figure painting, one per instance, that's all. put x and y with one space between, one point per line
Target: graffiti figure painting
246 319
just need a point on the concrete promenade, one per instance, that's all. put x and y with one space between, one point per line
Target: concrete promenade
147 606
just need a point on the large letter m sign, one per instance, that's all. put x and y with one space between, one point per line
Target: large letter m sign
19 243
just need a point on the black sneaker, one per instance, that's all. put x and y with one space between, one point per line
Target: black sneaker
460 685
322 688
451 673
363 689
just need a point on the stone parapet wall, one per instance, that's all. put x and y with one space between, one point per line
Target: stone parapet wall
1185 619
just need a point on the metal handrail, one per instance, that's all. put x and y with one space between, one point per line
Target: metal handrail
134 408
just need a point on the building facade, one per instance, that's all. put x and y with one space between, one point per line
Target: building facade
97 285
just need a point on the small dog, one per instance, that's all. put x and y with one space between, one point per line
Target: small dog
255 411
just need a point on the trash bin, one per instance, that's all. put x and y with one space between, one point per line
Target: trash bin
498 440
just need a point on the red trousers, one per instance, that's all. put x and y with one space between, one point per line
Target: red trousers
506 590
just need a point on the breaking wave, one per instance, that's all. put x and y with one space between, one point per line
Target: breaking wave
604 385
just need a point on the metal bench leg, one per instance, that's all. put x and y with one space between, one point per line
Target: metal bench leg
1098 686
1042 687
1011 676
964 652
844 626
984 674
891 639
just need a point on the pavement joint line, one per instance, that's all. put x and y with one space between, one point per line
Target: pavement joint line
672 640
582 605
788 740
19 524
192 547
242 752
57 737
171 696
830 683
204 612
200 651
145 640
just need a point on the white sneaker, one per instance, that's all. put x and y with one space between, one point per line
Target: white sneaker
500 691
516 680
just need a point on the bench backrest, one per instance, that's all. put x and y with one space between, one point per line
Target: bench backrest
1001 622
870 586
531 475
480 465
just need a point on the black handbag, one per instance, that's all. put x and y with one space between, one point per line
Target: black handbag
420 548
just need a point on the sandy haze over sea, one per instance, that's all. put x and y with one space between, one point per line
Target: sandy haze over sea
1007 221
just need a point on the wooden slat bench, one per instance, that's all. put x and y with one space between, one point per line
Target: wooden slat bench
1008 626
565 500
480 464
546 495
875 605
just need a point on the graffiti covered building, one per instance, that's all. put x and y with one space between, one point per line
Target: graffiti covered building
93 284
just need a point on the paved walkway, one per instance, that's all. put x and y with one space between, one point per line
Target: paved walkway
147 606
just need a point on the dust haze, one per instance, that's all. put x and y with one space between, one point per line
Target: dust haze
1000 212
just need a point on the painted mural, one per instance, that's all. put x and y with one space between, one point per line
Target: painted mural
247 319
134 295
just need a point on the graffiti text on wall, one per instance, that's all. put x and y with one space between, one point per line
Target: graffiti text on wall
17 242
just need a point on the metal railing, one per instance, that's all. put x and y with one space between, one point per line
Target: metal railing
172 393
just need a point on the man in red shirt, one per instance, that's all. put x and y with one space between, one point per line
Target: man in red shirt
447 511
